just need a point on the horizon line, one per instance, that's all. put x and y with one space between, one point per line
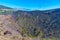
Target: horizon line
20 8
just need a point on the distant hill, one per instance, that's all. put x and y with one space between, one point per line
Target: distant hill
6 10
4 7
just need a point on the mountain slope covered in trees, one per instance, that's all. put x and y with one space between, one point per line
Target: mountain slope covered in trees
45 23
34 24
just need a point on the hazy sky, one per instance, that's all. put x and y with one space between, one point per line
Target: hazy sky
31 4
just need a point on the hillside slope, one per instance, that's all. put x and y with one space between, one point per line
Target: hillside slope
29 25
9 29
43 23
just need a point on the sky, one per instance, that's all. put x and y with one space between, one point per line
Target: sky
31 4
